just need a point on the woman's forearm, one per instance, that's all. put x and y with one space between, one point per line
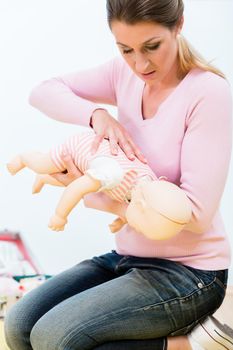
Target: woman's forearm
102 202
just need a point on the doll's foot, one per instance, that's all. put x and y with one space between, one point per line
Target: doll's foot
15 165
57 223
38 184
116 225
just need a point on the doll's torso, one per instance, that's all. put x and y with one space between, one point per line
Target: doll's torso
118 186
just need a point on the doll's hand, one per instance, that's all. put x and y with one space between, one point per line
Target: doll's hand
117 224
57 223
107 127
72 171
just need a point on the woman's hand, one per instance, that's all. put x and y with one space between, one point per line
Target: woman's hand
106 127
71 174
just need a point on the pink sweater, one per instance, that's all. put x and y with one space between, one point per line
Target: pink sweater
188 141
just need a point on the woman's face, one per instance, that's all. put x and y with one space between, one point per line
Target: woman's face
150 49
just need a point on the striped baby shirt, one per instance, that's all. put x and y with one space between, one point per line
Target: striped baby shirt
118 174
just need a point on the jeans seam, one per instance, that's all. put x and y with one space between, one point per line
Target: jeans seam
197 277
175 299
95 321
120 262
220 283
66 341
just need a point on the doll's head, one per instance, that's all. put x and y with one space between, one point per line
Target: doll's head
158 209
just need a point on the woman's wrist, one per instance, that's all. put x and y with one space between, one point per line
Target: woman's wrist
96 112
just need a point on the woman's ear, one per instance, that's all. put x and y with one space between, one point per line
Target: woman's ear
142 203
180 25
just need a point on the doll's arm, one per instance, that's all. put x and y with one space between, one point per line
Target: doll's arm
117 224
73 193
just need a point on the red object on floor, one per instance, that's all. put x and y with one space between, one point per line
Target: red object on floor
16 239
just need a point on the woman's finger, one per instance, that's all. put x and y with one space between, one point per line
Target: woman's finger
140 156
126 145
131 150
69 164
71 173
138 153
136 150
127 149
95 144
117 136
113 140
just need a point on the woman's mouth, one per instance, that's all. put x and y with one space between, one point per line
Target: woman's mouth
148 75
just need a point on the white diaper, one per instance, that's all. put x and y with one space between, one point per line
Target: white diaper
107 170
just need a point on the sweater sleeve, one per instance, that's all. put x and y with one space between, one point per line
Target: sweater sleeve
72 98
206 150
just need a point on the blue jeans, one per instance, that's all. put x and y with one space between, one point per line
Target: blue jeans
114 302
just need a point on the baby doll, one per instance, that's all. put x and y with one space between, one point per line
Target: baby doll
158 209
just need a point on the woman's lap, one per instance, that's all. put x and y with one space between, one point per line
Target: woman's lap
112 298
25 313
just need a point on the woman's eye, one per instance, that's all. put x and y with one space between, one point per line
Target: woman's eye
153 47
125 52
147 48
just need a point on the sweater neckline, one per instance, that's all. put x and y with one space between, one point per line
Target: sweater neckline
163 104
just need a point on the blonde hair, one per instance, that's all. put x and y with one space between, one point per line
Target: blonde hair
189 58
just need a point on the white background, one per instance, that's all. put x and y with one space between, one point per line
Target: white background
46 38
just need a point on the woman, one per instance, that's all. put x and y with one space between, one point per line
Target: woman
175 111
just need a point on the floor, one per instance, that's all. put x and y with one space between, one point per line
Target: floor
224 313
3 345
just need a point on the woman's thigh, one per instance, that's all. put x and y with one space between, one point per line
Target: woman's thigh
144 302
26 312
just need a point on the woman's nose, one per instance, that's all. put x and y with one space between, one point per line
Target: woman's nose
141 63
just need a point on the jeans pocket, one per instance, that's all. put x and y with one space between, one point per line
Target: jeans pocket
204 278
215 281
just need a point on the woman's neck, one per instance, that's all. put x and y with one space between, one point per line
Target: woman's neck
170 81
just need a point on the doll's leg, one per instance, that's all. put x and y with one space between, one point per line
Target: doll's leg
43 179
72 195
41 163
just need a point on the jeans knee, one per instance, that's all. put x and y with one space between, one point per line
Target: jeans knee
44 337
36 338
15 327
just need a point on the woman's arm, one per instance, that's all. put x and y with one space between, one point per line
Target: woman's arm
101 201
72 98
206 151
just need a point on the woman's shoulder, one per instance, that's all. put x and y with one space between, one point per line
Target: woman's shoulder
205 82
207 94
